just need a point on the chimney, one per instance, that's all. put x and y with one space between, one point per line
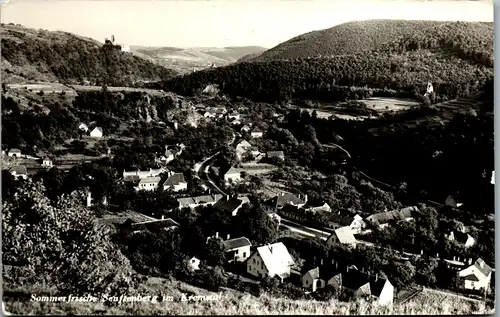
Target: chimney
321 261
217 234
305 198
470 261
376 277
227 197
228 236
454 258
421 252
162 217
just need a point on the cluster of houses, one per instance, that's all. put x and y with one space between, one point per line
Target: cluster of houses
95 132
153 179
242 149
18 169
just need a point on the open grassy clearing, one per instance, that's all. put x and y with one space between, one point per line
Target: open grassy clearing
383 104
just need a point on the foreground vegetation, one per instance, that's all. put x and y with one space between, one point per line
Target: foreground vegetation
236 303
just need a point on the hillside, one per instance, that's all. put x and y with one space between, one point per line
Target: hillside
347 38
456 57
39 55
187 60
236 303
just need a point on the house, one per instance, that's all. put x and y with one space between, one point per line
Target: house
254 151
133 176
274 216
96 133
47 162
237 249
193 264
356 223
83 127
175 182
168 156
233 116
242 147
257 132
462 238
148 183
293 212
19 171
316 278
314 209
193 202
383 219
245 128
209 114
361 284
477 276
341 235
278 154
231 204
269 261
282 199
233 175
14 153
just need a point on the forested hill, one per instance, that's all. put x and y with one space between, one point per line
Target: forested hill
39 55
456 57
358 36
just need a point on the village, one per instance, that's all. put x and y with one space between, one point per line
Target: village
292 213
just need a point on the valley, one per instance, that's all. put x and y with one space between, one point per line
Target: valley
345 171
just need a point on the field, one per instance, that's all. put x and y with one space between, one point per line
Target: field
378 104
382 105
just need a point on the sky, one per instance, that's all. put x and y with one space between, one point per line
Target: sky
222 23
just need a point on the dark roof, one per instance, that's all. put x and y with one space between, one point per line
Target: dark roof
175 179
339 219
354 279
275 153
257 129
15 150
229 205
288 208
19 169
236 243
483 267
461 237
393 215
472 277
285 198
324 272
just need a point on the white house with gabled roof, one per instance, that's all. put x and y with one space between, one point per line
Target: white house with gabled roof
96 133
476 276
270 260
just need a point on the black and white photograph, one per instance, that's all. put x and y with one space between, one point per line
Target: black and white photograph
249 157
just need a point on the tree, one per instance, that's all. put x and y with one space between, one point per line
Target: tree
59 244
215 252
401 274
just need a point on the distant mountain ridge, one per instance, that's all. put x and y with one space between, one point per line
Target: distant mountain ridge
349 38
185 60
54 56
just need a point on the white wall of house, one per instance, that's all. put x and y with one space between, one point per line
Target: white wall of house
482 283
240 254
256 134
256 267
147 186
387 294
312 284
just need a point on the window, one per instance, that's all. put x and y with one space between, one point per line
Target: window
244 254
307 282
253 260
